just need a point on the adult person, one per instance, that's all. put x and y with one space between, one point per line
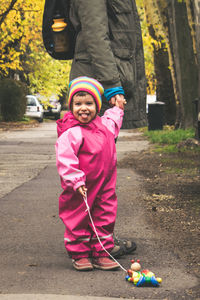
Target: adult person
109 48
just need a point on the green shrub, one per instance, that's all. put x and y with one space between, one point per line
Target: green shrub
12 100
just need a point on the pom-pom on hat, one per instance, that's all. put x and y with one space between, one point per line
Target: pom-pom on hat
89 85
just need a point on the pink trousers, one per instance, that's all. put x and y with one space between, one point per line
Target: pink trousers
79 238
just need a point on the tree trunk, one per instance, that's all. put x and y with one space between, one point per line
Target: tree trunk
164 86
196 9
183 57
164 89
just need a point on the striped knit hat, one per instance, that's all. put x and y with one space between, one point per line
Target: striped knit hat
89 85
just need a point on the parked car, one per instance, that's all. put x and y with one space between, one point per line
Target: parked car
34 109
53 109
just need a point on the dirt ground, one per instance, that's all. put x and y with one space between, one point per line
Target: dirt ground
172 185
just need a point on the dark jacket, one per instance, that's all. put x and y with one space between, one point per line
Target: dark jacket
109 48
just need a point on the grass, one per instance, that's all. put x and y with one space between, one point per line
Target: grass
183 171
166 149
169 136
25 120
166 140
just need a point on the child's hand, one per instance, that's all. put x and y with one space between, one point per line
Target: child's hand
118 100
82 190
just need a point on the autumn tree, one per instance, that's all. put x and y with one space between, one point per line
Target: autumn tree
173 22
164 85
22 52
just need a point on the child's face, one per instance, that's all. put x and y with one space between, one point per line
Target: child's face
84 108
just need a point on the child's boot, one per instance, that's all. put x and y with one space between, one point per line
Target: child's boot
104 263
82 264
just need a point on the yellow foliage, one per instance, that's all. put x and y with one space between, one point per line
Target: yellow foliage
22 50
155 16
18 31
191 22
148 49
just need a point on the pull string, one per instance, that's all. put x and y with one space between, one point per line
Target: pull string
88 209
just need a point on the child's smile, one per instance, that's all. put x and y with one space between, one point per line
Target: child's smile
84 108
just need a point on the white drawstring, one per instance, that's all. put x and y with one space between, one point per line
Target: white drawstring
88 209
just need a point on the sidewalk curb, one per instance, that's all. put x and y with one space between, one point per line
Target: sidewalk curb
52 297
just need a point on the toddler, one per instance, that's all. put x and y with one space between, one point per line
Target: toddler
86 163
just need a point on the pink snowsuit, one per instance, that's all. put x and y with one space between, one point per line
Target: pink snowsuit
86 155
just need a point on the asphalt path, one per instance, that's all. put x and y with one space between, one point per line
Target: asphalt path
33 261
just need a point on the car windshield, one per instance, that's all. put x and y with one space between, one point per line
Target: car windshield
31 102
54 101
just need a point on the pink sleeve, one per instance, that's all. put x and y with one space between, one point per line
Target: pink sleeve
67 162
112 119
